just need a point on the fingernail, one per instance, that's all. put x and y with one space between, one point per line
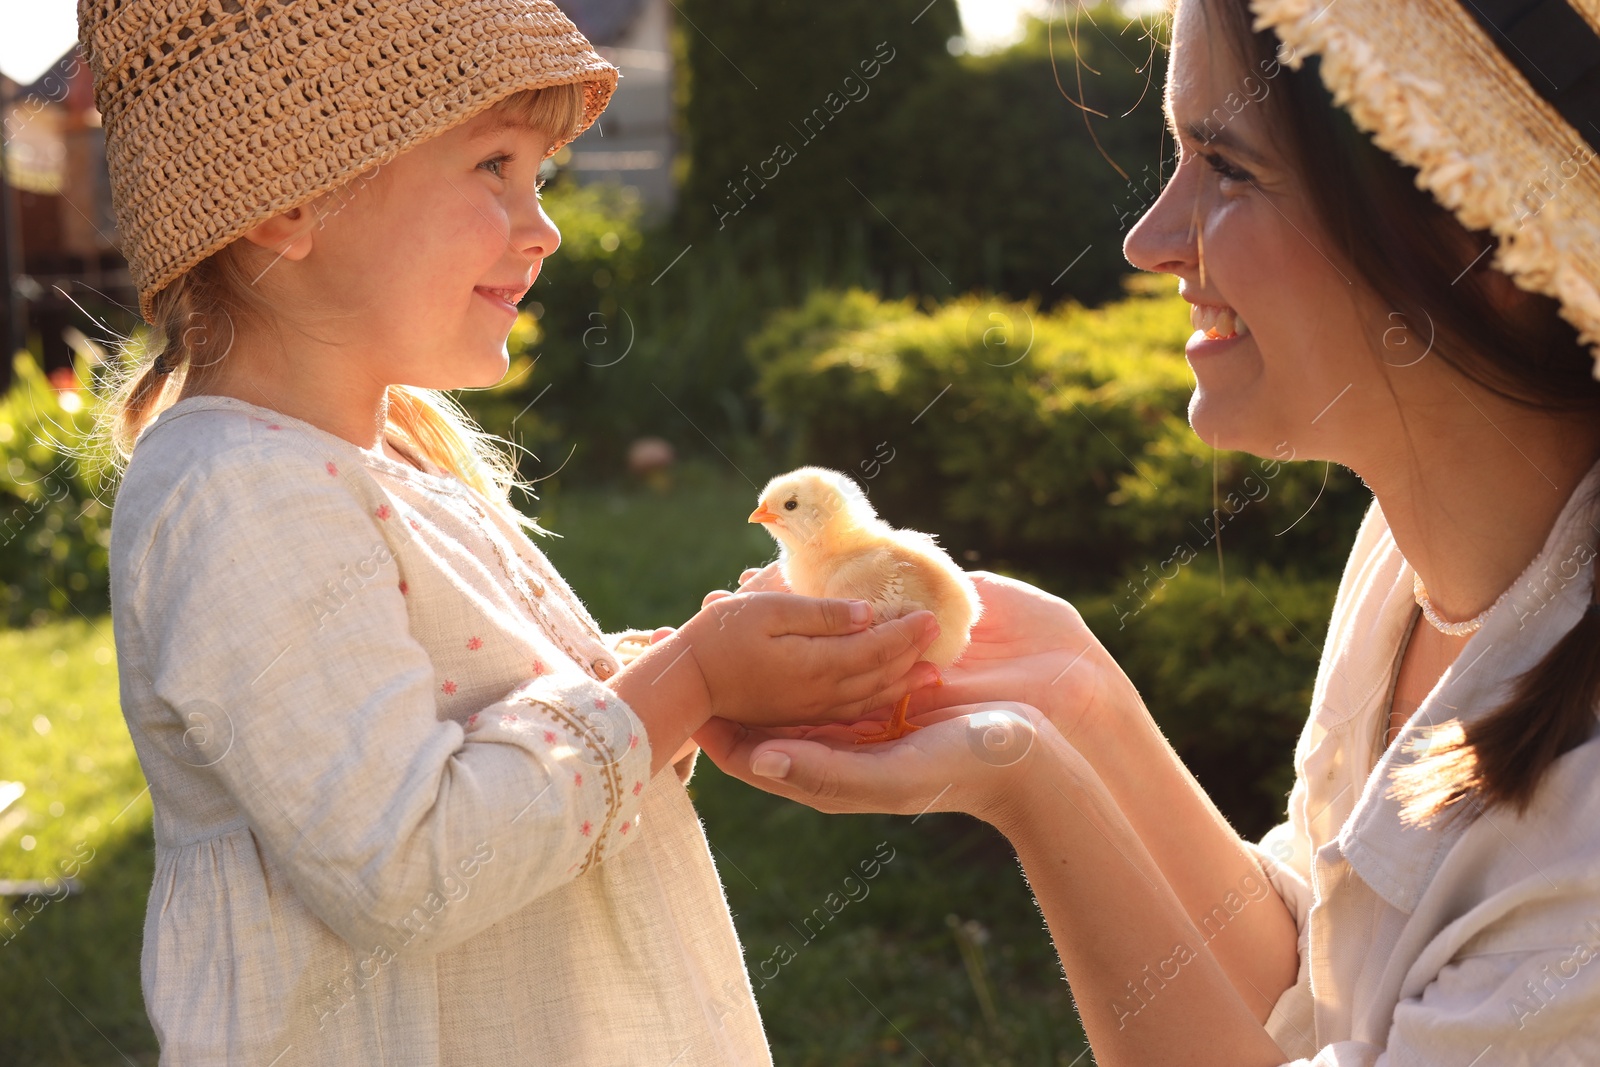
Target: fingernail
931 627
860 611
932 675
770 765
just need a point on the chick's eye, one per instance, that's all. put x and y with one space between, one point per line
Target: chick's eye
790 506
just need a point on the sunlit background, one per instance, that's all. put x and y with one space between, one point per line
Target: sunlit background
929 293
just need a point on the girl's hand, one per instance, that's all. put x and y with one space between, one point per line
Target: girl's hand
973 758
779 659
1035 648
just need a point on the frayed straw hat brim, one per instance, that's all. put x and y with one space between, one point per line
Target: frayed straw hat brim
219 116
1428 81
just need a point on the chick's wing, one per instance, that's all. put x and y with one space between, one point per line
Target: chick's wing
880 577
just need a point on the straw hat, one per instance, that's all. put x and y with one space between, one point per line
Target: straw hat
219 116
1497 104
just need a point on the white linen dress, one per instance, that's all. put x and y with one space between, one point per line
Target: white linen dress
398 816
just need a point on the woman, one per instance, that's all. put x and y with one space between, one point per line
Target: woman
1437 878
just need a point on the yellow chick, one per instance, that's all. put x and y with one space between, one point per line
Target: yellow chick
832 544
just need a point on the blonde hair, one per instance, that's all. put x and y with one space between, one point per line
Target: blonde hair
197 312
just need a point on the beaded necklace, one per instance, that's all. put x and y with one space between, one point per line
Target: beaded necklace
1437 621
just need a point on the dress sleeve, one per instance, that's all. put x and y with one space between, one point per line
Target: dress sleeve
318 718
1284 854
627 645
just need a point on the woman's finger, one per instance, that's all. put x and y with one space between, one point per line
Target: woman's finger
812 772
946 762
715 594
662 633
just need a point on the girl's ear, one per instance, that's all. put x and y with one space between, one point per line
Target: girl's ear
287 236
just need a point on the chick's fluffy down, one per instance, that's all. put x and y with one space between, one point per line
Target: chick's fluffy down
901 572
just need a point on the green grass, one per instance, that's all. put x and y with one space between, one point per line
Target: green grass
881 980
69 971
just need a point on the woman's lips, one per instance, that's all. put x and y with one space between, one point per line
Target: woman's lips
1217 328
1217 321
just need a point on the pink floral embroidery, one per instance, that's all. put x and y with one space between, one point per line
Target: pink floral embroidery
549 737
633 740
403 587
626 827
449 687
274 426
383 511
414 525
600 703
637 787
474 643
472 719
538 668
510 718
577 778
332 469
585 828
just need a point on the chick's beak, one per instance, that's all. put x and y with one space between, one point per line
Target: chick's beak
762 514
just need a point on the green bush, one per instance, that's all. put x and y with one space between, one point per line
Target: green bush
638 332
55 502
1056 443
1226 665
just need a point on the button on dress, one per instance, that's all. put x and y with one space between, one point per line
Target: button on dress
398 816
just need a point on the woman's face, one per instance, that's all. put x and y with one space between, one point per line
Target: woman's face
1235 226
415 269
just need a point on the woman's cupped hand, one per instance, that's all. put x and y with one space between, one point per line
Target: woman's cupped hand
979 759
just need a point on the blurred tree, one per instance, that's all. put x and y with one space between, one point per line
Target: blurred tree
855 123
786 103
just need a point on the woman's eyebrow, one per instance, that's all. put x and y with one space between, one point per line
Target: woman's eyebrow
1201 134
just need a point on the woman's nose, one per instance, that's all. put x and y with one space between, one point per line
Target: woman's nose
1164 238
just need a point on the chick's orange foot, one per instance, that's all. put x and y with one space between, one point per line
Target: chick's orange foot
897 728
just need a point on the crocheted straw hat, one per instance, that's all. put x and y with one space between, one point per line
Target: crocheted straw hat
1495 102
219 116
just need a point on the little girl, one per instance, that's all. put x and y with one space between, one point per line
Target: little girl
406 794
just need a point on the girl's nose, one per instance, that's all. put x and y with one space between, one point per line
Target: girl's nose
532 231
1164 238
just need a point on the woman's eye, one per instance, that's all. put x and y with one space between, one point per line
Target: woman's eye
1223 168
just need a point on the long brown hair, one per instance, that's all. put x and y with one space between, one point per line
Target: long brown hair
1415 254
197 313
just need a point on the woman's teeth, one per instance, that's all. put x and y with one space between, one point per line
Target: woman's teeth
1217 322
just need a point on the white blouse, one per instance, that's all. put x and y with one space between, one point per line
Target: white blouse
1460 946
399 818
